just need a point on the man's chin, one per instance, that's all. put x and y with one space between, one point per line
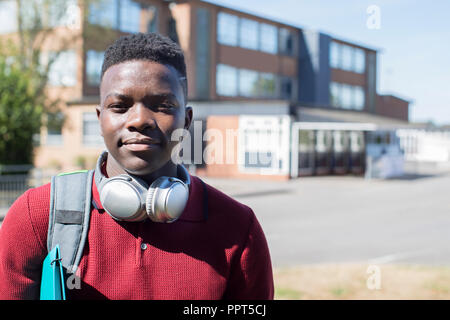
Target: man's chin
141 169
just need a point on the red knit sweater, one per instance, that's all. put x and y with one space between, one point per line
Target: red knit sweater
220 256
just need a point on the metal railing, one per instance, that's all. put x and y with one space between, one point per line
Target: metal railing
16 179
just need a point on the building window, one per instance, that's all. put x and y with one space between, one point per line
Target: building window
257 148
91 130
130 16
151 18
286 42
123 15
248 34
248 83
360 60
55 122
347 96
104 13
227 29
335 94
94 61
347 57
63 68
267 85
268 38
335 55
226 80
358 97
8 16
63 13
203 53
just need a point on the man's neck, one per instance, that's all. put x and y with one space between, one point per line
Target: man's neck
113 168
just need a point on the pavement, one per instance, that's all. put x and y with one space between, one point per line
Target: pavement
348 219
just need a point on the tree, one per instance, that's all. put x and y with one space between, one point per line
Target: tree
21 109
24 75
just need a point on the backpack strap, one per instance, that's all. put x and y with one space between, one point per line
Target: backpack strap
70 209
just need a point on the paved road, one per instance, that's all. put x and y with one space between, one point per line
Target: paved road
349 219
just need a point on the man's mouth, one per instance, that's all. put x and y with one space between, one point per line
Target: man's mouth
139 144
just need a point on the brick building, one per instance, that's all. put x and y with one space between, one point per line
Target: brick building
238 64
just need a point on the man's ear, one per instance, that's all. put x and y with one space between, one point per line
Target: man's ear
188 117
98 110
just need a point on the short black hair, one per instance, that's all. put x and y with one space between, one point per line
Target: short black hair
146 46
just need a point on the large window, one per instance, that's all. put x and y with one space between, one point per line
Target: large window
248 34
94 60
8 16
63 13
347 96
358 97
267 85
268 38
123 15
347 58
248 83
104 13
91 130
38 13
151 16
130 16
63 69
263 144
335 94
359 60
226 80
335 55
227 29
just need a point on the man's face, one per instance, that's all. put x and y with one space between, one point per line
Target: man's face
142 103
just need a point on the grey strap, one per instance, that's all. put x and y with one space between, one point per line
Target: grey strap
70 208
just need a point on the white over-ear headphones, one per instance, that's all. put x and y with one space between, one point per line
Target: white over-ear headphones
129 198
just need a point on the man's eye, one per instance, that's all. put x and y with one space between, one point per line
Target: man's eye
165 106
118 107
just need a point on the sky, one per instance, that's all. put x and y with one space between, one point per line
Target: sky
412 38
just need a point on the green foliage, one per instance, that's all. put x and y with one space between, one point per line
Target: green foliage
21 109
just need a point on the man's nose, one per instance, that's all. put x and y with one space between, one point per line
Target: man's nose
140 118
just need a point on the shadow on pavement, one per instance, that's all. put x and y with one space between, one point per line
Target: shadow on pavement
261 193
414 176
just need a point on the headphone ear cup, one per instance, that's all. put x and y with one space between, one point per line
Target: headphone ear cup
121 199
149 204
166 199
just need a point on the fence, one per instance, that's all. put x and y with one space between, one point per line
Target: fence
14 182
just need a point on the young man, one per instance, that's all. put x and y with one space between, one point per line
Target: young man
215 250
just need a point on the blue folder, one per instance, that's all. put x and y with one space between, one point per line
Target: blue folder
52 282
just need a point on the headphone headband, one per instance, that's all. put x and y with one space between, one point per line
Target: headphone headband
128 197
182 173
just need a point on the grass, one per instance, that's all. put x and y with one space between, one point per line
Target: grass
351 282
